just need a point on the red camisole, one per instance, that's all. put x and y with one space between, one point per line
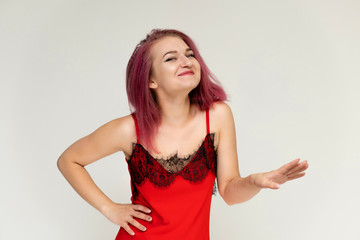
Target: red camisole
179 200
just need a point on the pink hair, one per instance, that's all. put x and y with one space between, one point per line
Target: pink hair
141 98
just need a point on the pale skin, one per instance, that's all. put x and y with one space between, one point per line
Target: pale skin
175 72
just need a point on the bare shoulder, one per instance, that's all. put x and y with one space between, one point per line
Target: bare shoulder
221 121
113 136
220 114
220 108
122 131
124 126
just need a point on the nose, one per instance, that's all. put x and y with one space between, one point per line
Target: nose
185 61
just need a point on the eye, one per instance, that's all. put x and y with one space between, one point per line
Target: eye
191 55
170 59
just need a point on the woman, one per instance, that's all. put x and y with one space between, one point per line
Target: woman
179 138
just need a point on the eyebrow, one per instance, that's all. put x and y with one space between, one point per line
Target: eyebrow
174 51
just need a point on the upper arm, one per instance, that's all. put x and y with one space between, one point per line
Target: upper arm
227 161
111 137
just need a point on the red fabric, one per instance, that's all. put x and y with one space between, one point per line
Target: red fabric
179 202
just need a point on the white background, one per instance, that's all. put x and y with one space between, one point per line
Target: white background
291 69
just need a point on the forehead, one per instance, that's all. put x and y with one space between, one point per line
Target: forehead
166 44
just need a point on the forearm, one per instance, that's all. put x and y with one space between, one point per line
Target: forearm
239 190
83 184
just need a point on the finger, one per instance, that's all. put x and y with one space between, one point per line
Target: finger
289 166
137 225
138 207
142 216
128 229
299 168
295 176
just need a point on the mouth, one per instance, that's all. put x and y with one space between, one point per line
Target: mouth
190 72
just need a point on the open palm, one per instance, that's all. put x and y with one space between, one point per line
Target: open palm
273 179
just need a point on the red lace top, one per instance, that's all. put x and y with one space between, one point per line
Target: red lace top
178 192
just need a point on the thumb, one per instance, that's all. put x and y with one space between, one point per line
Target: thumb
271 184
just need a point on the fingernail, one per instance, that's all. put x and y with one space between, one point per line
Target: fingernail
144 228
149 211
133 233
149 218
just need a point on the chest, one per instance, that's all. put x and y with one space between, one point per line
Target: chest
162 172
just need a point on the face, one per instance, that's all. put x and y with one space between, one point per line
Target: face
174 67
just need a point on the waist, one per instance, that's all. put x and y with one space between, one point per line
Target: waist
179 211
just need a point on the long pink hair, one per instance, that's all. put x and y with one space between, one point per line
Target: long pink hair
141 98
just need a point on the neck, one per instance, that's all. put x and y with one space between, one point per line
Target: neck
175 112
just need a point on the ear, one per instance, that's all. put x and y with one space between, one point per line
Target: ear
152 84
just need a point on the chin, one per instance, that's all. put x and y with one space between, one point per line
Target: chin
192 87
191 84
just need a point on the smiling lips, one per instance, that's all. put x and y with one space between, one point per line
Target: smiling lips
186 73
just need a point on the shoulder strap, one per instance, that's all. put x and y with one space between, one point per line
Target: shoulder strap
207 121
136 127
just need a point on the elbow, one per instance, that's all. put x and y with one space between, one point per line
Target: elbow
60 164
226 198
228 201
66 164
63 163
226 191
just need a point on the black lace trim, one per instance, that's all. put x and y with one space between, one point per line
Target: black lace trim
174 163
214 188
162 172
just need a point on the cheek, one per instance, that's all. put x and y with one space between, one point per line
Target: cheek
165 69
156 73
198 68
196 63
161 73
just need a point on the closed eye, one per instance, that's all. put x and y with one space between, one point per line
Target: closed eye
170 59
174 58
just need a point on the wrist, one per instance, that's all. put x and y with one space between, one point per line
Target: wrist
252 179
106 208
